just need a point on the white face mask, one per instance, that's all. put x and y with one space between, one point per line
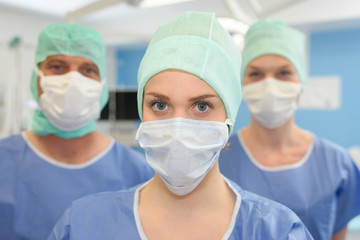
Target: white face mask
69 101
272 102
182 151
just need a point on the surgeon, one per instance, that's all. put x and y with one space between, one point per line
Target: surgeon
188 97
62 158
275 158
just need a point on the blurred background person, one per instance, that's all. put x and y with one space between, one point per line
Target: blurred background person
275 158
62 158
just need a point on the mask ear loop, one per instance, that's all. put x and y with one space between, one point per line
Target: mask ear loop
38 71
229 122
137 135
41 75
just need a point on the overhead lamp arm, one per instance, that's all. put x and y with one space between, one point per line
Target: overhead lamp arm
96 6
261 12
237 12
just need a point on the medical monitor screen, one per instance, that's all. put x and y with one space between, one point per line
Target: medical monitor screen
122 105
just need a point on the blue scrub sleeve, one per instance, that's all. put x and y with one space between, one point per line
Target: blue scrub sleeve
299 231
61 231
348 195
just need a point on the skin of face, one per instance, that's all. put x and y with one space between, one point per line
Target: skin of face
178 94
270 66
63 64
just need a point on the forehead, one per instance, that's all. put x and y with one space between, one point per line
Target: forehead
180 82
68 59
270 61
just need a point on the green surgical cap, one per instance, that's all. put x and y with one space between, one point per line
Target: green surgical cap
274 37
71 40
195 43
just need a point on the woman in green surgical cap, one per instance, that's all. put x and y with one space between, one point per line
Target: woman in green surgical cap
275 158
62 158
188 97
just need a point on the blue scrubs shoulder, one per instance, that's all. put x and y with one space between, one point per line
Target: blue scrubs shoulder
114 215
36 190
323 189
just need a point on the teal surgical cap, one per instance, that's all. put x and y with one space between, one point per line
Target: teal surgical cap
275 37
70 40
195 43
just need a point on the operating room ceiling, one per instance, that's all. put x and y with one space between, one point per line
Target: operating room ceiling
138 19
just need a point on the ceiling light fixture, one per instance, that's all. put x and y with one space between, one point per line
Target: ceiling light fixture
157 3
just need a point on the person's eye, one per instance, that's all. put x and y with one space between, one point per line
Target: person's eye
202 107
90 71
255 75
57 67
159 106
284 73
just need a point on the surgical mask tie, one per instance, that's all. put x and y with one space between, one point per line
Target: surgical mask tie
272 102
69 101
182 151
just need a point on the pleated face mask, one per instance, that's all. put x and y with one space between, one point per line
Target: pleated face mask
70 101
272 102
182 151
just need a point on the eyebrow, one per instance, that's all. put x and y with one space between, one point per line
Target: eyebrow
283 66
254 67
202 97
194 99
158 95
52 60
89 64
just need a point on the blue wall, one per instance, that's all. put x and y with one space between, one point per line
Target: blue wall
331 53
127 64
337 53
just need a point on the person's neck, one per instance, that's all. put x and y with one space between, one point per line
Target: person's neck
286 134
212 191
70 151
209 206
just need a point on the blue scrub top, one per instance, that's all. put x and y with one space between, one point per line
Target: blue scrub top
36 190
323 188
114 215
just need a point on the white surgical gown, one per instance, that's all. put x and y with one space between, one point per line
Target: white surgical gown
114 215
35 190
323 189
